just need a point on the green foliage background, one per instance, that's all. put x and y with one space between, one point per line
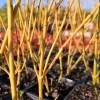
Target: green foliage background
3 13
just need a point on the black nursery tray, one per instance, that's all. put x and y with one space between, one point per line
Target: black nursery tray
75 86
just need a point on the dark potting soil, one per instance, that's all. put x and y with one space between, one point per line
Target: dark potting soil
75 86
84 92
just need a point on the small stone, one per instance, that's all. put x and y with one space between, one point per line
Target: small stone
46 94
55 93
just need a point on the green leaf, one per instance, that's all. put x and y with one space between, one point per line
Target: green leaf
21 93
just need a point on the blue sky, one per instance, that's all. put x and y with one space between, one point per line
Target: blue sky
2 2
84 3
